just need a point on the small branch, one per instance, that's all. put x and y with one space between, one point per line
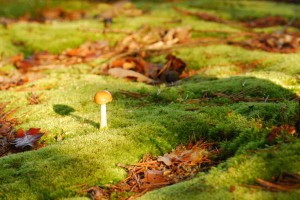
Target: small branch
105 31
272 185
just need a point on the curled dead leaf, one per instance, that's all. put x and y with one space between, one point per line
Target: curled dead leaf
165 160
125 73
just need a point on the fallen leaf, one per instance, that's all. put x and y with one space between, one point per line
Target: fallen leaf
96 193
279 131
52 14
33 131
275 42
27 139
20 133
125 73
153 177
172 69
165 160
148 38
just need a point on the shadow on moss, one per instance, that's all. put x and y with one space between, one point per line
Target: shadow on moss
65 110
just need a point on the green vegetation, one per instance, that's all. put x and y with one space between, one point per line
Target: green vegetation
77 152
18 8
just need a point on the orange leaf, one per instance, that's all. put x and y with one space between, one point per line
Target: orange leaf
33 131
20 133
73 52
118 63
17 58
25 64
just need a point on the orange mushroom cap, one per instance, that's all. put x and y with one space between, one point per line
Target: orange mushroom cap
103 97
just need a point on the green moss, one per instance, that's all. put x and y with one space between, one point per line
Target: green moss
18 8
6 46
235 10
247 9
52 38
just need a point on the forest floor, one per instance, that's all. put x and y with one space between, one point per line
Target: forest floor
205 100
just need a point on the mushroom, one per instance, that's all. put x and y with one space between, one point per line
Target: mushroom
103 97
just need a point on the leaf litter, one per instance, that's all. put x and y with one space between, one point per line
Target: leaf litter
127 58
279 41
282 133
274 42
142 71
270 21
152 173
45 60
10 80
12 141
128 55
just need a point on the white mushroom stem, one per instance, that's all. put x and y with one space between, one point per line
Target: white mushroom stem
103 122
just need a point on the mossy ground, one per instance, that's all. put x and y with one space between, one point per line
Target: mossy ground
77 152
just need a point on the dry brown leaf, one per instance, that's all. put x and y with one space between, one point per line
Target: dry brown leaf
275 42
151 39
125 73
7 124
153 177
165 159
278 131
52 14
97 193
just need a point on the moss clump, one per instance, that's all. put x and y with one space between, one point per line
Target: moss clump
52 38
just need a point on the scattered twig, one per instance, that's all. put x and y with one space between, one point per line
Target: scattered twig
271 185
202 15
133 94
106 31
285 182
